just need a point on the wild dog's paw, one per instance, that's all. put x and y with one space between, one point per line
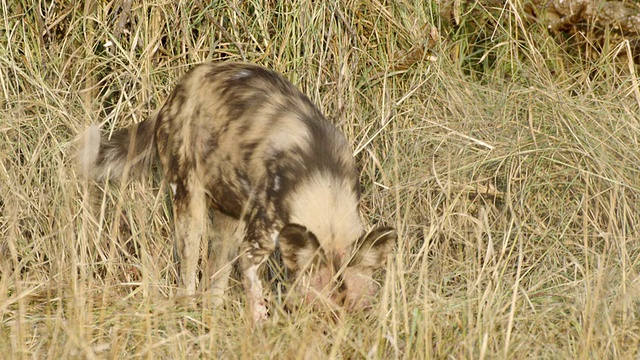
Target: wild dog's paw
260 312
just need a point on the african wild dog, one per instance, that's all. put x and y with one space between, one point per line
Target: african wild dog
243 142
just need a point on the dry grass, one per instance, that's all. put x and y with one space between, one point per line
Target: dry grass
510 169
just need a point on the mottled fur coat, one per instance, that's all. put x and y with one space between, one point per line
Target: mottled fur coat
242 142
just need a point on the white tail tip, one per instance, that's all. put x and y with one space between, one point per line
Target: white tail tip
88 150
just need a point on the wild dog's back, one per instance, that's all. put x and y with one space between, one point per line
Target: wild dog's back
241 125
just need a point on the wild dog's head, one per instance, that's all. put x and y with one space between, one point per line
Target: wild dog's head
341 276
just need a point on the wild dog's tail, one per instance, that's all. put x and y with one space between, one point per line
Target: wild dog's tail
129 151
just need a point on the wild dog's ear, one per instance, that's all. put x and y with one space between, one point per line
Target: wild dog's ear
297 245
372 249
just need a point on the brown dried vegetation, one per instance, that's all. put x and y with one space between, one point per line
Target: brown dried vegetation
507 161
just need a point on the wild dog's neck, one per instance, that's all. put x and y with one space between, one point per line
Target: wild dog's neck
327 206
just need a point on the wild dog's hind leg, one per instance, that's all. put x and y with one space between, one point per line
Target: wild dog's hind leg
190 217
223 248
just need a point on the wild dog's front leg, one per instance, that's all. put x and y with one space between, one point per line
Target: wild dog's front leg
262 226
259 243
190 211
251 261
